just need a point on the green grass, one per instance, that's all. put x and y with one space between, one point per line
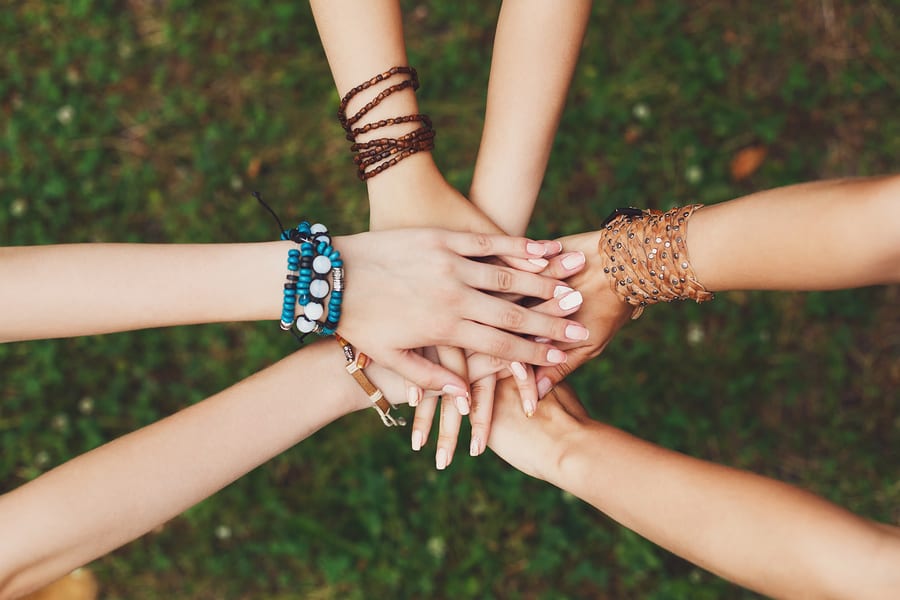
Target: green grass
136 121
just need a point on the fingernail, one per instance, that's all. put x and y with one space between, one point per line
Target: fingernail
573 260
561 290
541 340
556 356
554 247
543 386
571 301
412 396
452 390
440 459
417 438
534 248
539 262
518 370
577 332
530 407
462 405
475 447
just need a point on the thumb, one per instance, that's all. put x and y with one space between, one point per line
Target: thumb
548 376
427 374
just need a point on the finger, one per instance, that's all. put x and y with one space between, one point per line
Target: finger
506 346
565 265
455 359
508 316
481 365
413 392
496 278
448 432
549 376
568 302
422 421
482 412
427 374
484 244
523 375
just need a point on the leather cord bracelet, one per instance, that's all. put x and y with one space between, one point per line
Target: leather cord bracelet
356 362
644 252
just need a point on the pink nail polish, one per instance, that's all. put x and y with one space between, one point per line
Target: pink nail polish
530 407
556 356
412 396
561 290
417 439
539 262
543 386
440 459
573 260
518 371
541 340
452 390
462 405
534 248
475 447
577 333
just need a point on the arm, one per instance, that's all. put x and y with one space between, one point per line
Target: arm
97 288
760 533
536 48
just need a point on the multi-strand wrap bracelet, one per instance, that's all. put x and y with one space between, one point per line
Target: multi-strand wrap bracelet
377 155
644 252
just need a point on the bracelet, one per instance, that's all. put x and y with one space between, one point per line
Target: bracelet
356 362
645 255
378 155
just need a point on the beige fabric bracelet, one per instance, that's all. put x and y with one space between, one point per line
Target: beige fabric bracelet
646 258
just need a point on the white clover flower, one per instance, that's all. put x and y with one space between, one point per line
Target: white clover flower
437 547
693 174
18 207
695 334
64 114
641 111
223 532
86 405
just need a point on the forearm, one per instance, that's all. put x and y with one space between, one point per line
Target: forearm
83 289
536 48
111 495
812 236
760 533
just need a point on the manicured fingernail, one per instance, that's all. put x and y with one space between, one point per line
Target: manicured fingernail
541 340
554 247
417 439
412 396
543 386
475 447
440 459
539 262
577 333
518 370
561 290
556 356
535 248
570 301
452 390
529 407
462 405
573 260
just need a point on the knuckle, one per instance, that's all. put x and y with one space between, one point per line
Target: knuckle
496 362
512 318
500 347
504 280
483 242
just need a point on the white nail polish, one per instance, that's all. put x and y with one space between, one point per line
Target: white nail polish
440 459
416 440
573 260
475 447
561 290
571 301
539 262
462 405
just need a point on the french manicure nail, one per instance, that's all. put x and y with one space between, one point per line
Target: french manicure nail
577 332
573 260
543 386
518 370
539 262
412 396
561 290
570 301
541 340
452 390
556 356
475 447
440 459
534 248
417 438
462 405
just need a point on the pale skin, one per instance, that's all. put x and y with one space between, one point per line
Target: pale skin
536 48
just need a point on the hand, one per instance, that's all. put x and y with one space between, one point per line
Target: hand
535 445
408 289
603 312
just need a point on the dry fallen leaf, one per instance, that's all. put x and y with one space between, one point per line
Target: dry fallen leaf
253 168
747 161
